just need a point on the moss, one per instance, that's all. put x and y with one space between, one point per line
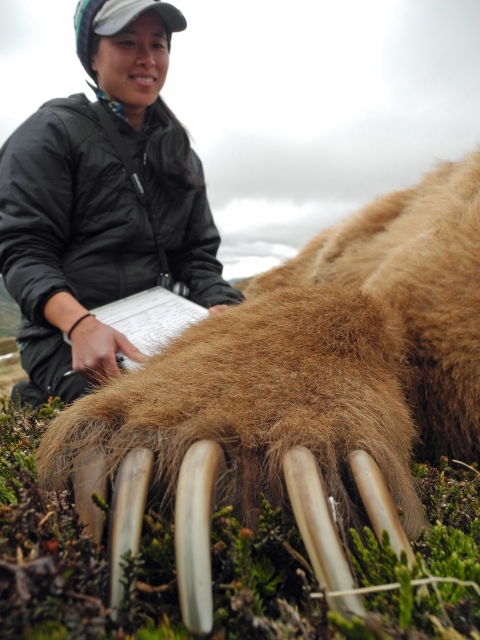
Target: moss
53 579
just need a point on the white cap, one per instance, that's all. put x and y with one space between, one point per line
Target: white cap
116 14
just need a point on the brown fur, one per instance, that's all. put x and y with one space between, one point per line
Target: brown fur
350 252
375 315
307 365
296 271
417 250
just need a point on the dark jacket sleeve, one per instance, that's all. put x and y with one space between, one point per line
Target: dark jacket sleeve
195 263
35 212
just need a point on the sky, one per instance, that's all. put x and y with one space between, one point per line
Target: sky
300 111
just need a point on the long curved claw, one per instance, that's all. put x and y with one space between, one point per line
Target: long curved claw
310 506
378 502
193 514
89 476
128 507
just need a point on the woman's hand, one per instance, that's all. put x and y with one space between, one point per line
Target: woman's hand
217 308
94 347
94 344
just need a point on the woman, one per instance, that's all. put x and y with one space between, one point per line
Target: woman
73 233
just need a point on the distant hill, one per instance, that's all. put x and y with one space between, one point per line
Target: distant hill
9 313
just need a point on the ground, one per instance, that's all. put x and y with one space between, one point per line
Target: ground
10 368
53 579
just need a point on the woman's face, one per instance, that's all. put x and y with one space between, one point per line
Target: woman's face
132 65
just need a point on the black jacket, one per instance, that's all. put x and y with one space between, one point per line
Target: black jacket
70 220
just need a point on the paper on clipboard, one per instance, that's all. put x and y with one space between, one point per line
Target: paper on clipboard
150 319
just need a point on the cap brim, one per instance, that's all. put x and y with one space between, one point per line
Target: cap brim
171 17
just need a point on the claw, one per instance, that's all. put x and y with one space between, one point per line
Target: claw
89 476
128 507
193 513
378 502
312 512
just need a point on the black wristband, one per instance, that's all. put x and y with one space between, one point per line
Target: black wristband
78 322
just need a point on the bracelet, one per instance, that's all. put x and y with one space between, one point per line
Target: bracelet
78 322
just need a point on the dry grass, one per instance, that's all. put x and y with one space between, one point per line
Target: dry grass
10 374
11 370
7 345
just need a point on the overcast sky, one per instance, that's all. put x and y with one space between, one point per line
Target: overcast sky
301 111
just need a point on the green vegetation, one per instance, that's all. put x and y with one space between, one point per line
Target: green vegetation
53 579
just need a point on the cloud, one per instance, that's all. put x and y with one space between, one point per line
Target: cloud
37 57
358 163
278 222
260 234
353 122
16 29
434 50
299 118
